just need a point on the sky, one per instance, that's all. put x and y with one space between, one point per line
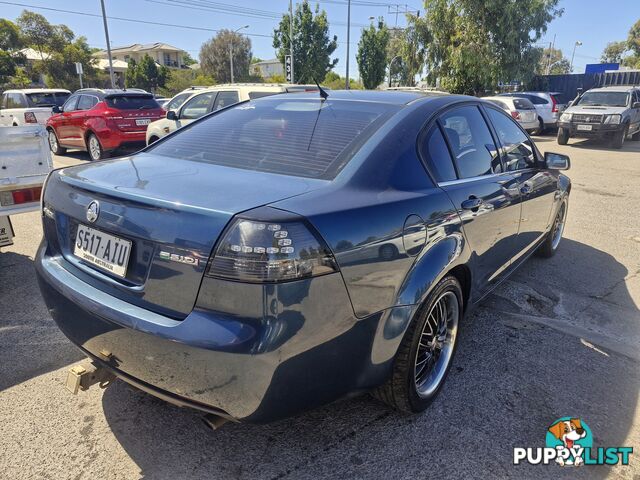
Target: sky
594 23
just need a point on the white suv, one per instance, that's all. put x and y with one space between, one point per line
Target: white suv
30 105
549 106
214 98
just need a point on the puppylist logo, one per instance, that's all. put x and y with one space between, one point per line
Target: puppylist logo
569 443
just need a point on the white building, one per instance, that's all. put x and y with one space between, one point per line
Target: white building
161 53
267 68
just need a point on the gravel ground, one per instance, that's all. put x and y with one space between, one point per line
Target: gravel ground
560 338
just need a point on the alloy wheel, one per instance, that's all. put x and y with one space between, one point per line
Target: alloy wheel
558 226
436 344
94 148
53 141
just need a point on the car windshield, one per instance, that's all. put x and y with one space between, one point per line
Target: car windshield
300 137
132 102
47 99
610 99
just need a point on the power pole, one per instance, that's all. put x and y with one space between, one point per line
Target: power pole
348 35
551 44
231 58
291 38
106 34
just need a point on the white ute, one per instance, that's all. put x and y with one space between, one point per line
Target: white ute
25 162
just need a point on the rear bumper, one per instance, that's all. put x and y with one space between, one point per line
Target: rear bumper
305 350
110 140
597 129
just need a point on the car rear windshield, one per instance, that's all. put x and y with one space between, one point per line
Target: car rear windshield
47 99
609 99
132 102
523 104
561 98
300 137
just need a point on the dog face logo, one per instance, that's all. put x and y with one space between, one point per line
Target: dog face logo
569 436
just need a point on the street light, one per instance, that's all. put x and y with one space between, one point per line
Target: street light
577 44
390 63
231 49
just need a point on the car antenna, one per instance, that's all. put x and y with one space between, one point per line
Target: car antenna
323 92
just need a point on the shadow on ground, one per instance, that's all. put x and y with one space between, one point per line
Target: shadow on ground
30 342
512 378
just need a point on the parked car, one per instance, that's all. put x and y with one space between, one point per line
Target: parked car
214 269
521 109
176 101
212 99
549 106
25 162
100 121
30 105
611 113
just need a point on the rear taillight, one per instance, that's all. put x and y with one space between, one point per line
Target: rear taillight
17 197
515 114
271 251
554 108
30 117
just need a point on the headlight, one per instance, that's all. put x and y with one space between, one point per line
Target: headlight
565 117
613 119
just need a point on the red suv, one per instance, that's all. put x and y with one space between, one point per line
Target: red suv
99 121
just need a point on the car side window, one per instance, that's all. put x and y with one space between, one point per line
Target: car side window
177 101
225 99
16 100
473 148
536 100
4 100
197 106
86 102
70 104
435 152
518 149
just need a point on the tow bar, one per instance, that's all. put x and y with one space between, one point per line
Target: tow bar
86 374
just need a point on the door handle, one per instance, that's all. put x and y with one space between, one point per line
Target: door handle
525 189
472 203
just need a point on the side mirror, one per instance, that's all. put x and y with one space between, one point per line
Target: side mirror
56 109
172 115
557 161
636 105
569 104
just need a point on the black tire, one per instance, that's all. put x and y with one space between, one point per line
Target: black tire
400 391
636 136
54 146
550 245
540 129
152 140
617 141
563 136
94 148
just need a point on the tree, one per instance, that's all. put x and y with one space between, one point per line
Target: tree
188 59
552 62
311 43
470 45
10 43
335 82
372 54
146 74
214 56
613 52
182 79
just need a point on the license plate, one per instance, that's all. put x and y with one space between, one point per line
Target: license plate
143 121
585 127
6 232
103 250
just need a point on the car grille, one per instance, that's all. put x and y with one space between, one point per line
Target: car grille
586 118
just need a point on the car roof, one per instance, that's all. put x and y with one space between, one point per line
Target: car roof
37 90
614 88
378 96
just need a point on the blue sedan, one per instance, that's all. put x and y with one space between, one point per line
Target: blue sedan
291 250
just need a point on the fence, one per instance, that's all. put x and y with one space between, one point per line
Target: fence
569 84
